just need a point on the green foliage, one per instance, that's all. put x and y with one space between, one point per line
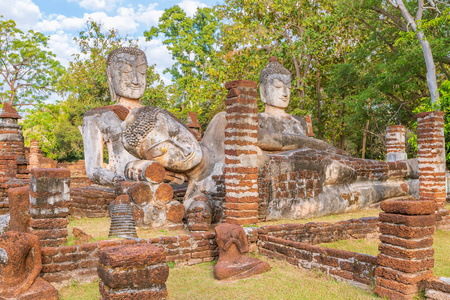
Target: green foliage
27 68
197 72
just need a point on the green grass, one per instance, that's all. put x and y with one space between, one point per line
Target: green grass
441 247
370 246
80 291
284 281
369 212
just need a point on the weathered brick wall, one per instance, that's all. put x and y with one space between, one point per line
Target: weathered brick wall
356 268
437 289
61 264
241 134
8 180
277 180
49 199
90 201
78 176
322 232
395 143
285 187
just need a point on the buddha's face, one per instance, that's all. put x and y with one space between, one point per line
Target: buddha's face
128 74
277 90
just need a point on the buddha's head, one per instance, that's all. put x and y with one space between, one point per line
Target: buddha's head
126 70
275 84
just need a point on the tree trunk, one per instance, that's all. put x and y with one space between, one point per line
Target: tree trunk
319 106
426 49
363 155
342 136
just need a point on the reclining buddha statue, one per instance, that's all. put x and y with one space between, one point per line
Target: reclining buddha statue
298 176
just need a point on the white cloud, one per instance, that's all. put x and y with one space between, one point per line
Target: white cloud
63 46
158 55
97 5
24 12
149 15
124 21
190 7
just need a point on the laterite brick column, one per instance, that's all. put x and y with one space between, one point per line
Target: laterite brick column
395 143
34 154
49 198
431 156
241 135
133 272
406 254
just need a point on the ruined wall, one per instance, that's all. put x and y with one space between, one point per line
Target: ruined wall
61 264
344 265
323 232
90 201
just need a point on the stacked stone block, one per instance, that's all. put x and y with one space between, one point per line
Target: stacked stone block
406 253
49 198
133 272
431 157
395 143
241 135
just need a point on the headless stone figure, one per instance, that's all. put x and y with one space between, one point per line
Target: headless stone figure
233 263
20 265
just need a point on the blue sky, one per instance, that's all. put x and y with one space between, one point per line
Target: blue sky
61 20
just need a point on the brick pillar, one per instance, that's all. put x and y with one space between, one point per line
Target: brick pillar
395 143
19 209
49 197
406 253
431 156
133 272
241 135
34 154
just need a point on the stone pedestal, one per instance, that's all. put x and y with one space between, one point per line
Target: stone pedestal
431 156
133 272
241 137
49 198
406 253
395 143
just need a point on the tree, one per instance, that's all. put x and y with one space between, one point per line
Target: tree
412 23
195 48
28 69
